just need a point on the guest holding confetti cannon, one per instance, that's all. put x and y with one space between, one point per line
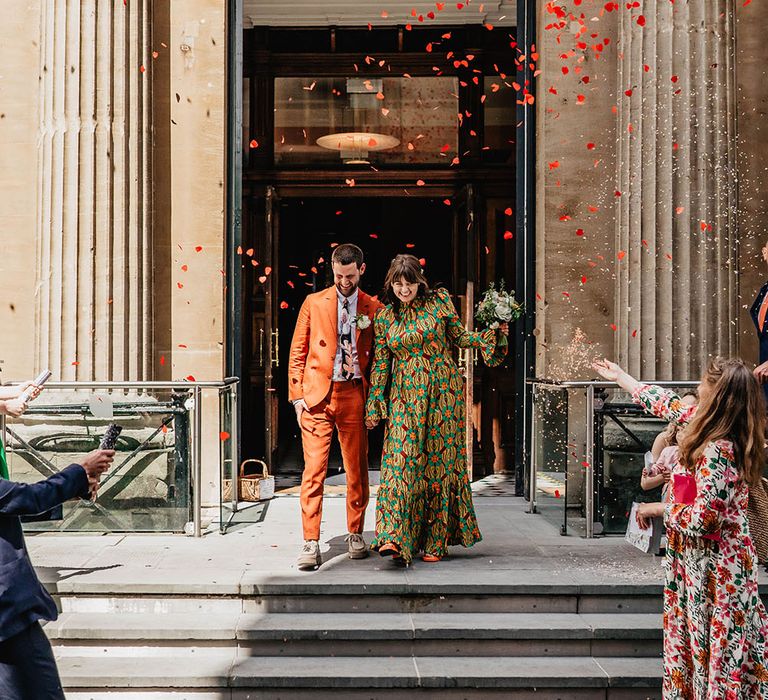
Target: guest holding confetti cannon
27 666
13 402
715 625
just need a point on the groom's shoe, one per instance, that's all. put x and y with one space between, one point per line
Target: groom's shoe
357 546
310 558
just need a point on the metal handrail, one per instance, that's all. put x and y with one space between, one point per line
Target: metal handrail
195 388
179 384
602 383
589 447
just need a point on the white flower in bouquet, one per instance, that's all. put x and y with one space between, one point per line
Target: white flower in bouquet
504 311
498 306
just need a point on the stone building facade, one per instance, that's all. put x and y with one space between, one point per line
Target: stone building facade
650 181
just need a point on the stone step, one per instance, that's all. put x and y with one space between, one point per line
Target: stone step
509 592
343 598
369 604
280 678
352 634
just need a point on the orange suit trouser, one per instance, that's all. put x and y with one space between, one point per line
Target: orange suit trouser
342 409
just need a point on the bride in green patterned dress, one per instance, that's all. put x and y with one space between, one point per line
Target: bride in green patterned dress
424 503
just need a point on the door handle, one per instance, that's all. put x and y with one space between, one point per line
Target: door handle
463 356
261 347
275 359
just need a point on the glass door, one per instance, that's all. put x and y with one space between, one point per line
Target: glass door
465 275
261 334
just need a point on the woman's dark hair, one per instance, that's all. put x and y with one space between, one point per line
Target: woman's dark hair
733 409
405 267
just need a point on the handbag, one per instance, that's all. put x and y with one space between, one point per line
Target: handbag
757 519
257 485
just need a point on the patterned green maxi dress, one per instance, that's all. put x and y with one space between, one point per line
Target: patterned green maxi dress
424 503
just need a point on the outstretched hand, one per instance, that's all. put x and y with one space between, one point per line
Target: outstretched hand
607 370
613 373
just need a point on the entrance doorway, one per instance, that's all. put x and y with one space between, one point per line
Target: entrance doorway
286 256
459 134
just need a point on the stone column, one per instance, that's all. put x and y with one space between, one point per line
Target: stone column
94 196
676 230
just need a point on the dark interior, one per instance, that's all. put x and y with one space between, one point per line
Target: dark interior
382 227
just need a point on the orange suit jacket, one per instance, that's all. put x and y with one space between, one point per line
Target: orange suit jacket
314 344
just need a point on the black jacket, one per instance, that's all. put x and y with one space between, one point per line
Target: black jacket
23 600
762 335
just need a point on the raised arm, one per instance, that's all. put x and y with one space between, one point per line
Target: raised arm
376 405
611 372
492 343
18 499
662 403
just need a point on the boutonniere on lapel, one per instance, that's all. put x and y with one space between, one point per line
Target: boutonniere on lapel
361 321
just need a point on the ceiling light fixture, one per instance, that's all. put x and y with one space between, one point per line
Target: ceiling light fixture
354 146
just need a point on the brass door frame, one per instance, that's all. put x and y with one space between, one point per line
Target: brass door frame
465 237
271 338
465 242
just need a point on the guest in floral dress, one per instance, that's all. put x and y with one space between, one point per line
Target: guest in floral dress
424 503
715 625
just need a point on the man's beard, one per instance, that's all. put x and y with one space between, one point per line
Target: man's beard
349 292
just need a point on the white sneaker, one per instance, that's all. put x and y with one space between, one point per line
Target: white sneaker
357 547
310 558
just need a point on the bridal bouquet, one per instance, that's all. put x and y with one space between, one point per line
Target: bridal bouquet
498 306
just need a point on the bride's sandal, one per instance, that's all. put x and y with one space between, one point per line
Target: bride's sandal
389 550
431 558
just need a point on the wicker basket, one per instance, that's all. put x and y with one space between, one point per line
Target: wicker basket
757 517
257 485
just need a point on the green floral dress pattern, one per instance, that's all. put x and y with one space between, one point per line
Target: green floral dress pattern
424 502
715 625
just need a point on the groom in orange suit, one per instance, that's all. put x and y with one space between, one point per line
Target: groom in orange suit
328 372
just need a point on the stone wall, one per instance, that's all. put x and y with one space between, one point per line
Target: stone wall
112 168
752 159
192 248
19 97
575 220
581 127
581 188
576 146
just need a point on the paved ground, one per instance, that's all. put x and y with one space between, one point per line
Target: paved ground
517 548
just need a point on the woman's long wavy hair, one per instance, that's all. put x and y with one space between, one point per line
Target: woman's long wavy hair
732 409
405 267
